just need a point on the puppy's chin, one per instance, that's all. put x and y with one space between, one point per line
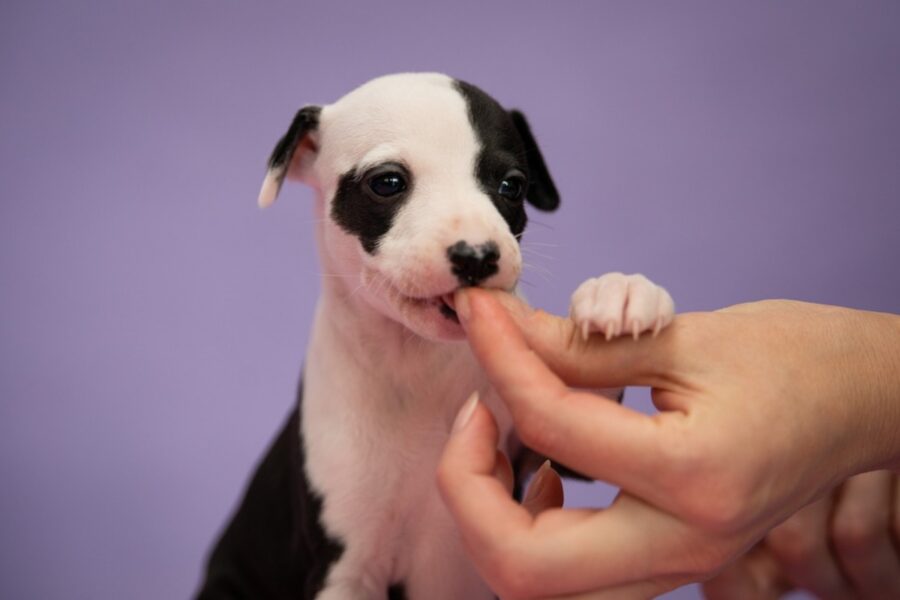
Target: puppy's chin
430 318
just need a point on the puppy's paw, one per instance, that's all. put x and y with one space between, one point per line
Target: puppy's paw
615 304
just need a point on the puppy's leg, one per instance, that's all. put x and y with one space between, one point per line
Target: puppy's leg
616 304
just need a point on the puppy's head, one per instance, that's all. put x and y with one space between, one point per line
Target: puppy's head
422 181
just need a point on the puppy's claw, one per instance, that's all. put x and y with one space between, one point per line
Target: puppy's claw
636 329
585 331
610 330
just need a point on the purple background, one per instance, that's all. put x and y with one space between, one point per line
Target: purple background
153 320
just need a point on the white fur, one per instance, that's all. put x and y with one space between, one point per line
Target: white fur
386 373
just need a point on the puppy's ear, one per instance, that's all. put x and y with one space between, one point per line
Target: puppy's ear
541 189
292 155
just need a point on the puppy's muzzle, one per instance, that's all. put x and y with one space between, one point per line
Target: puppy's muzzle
473 264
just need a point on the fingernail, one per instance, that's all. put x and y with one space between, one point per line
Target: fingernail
461 304
465 413
539 482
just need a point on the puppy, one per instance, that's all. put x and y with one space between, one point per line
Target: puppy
421 182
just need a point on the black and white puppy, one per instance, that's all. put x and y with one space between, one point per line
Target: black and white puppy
420 185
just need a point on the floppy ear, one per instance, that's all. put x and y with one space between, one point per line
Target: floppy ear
541 189
292 154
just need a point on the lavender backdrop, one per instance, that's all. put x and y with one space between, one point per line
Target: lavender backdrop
153 320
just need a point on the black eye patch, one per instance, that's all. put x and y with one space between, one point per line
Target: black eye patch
366 204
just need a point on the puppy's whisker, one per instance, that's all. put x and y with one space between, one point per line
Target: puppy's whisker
537 268
536 253
544 225
355 290
546 244
362 284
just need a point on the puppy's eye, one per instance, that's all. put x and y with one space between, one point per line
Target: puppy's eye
387 185
512 188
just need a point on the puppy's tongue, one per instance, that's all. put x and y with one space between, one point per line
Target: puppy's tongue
448 300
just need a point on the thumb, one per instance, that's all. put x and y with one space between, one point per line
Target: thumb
490 317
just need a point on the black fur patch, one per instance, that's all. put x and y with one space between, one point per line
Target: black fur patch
306 120
360 213
503 149
542 191
275 547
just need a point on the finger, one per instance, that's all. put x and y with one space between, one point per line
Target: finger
592 364
754 576
641 590
595 437
862 538
630 546
801 546
545 491
632 540
479 501
503 471
558 551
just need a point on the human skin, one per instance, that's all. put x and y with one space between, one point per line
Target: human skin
763 409
844 545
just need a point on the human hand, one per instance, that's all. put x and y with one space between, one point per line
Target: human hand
763 408
845 545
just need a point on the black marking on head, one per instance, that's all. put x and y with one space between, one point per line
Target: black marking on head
306 120
504 150
362 212
396 592
275 545
542 192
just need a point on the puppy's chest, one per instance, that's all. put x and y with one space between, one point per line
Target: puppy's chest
374 465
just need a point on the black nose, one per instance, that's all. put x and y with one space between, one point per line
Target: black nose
473 264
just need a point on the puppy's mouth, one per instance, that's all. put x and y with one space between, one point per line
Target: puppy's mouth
447 307
444 303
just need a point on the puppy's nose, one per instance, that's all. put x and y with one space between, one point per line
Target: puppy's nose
473 264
